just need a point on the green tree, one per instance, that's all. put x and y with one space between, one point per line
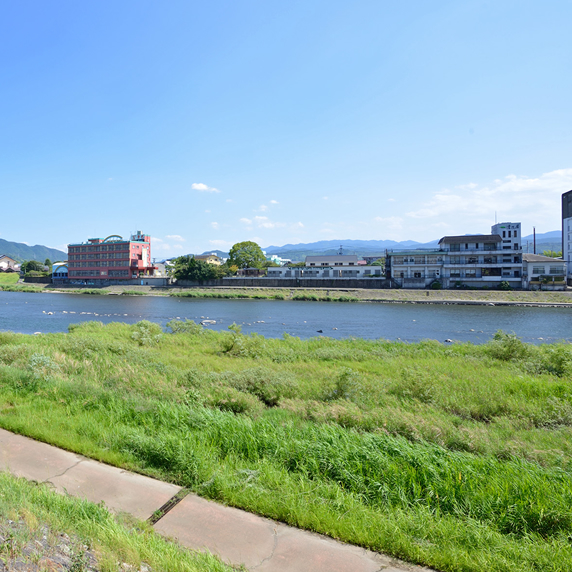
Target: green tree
246 255
553 253
48 263
32 266
187 268
379 262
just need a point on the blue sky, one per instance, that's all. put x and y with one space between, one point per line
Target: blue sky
208 123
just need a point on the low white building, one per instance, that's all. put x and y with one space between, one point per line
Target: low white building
325 272
8 263
332 260
543 272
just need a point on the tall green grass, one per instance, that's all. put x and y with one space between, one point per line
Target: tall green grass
457 457
116 541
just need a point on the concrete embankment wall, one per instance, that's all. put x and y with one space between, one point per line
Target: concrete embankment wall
333 283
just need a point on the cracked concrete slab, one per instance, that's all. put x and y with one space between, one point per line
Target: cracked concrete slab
300 551
31 459
238 537
121 491
263 545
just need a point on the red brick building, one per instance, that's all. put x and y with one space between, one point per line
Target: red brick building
111 259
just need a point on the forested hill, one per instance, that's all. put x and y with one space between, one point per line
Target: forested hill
20 251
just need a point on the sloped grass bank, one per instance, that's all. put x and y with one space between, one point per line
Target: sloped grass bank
456 457
38 516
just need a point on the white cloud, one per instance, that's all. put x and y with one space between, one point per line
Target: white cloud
262 208
265 222
155 239
215 225
176 237
325 198
229 201
246 221
178 246
532 201
273 202
208 211
201 187
391 200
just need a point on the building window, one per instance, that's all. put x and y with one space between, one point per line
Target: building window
455 247
557 270
455 260
455 273
470 273
417 275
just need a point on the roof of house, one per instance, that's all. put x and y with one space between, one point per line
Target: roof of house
2 256
540 258
471 238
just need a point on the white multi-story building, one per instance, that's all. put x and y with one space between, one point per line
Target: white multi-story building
478 260
567 233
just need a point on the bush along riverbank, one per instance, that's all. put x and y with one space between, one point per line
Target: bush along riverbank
457 457
525 298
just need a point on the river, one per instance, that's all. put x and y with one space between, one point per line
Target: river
29 313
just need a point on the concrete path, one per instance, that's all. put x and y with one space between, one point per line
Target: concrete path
236 536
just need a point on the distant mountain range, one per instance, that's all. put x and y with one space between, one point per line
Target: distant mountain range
21 252
297 252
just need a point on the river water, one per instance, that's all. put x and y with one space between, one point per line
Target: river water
28 313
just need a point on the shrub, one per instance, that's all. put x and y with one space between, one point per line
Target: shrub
231 399
239 345
41 368
504 285
507 347
346 386
265 384
436 285
146 333
414 384
185 327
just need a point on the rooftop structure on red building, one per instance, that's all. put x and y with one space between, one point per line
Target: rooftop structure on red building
111 259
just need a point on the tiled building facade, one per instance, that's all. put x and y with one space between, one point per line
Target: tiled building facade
111 259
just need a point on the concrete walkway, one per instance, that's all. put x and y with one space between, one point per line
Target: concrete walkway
237 537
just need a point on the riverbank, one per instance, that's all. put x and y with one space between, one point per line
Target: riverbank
454 456
484 297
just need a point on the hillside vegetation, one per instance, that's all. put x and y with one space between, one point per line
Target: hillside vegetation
20 251
456 457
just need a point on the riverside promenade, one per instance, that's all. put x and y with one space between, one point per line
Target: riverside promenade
237 537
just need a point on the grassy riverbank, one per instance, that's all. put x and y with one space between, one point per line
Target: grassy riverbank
316 294
457 457
41 529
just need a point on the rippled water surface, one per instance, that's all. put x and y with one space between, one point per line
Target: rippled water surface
29 313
